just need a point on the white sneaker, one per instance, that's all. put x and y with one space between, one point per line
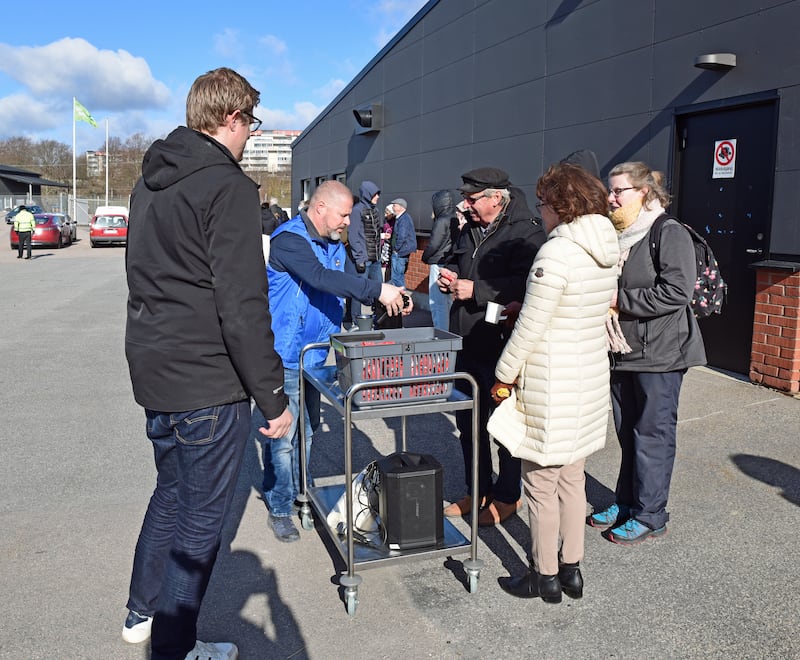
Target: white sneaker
213 651
137 627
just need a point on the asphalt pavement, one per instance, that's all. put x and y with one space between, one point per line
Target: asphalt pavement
76 473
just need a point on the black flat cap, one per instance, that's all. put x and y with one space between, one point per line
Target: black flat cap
483 178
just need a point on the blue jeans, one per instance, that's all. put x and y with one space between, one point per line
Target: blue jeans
439 302
282 455
198 455
398 265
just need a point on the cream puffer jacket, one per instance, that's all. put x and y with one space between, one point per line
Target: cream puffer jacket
557 352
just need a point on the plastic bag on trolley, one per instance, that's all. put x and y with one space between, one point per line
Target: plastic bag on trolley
367 527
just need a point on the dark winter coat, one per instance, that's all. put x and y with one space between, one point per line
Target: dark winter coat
198 331
364 233
498 264
653 302
445 228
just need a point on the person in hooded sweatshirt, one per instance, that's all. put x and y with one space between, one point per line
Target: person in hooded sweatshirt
440 245
364 234
553 376
199 344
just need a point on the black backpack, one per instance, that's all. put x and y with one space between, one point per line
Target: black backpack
710 288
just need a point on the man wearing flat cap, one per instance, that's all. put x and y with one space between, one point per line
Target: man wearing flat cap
403 242
490 263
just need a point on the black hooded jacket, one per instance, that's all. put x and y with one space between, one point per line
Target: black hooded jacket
445 228
198 331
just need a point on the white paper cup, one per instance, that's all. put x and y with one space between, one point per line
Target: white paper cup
494 313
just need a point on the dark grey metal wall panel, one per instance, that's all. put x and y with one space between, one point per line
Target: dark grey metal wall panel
677 17
785 212
510 112
515 155
442 169
518 60
788 157
404 139
598 32
585 93
449 127
402 103
444 14
402 66
449 44
499 20
369 89
445 87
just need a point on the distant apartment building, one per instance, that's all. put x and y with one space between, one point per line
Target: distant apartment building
269 151
95 163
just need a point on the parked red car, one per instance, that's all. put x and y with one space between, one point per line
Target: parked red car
52 230
109 225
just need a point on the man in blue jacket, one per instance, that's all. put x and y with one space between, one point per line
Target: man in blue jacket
404 242
306 287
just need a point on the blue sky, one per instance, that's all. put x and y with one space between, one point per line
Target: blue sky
133 62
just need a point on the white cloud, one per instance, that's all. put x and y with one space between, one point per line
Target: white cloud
228 43
273 44
329 90
100 79
301 116
21 110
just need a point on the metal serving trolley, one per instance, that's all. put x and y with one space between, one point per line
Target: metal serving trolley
322 499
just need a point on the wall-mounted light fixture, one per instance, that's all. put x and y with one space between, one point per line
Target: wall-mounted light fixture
369 118
716 61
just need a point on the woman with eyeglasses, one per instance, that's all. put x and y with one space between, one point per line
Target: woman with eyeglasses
654 339
553 377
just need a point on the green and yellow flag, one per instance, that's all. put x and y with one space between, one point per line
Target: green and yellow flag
82 114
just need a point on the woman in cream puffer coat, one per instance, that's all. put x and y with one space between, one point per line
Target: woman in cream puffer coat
555 365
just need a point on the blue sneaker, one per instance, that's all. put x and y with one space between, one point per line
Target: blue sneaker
610 516
633 532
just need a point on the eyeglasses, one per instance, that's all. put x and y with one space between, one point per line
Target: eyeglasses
540 204
473 200
255 122
618 191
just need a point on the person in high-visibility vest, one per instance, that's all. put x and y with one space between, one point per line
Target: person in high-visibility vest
24 224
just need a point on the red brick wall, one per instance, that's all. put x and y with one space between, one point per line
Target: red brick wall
417 273
775 357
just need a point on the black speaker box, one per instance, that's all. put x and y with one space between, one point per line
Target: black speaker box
410 500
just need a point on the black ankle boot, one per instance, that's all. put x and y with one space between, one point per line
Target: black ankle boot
571 579
533 585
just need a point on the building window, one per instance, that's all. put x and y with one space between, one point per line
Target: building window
341 178
320 180
305 185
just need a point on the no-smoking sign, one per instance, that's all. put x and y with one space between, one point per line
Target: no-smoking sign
724 159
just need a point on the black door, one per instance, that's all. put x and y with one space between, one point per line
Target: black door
724 170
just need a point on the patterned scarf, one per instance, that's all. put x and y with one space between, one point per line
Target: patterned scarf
628 237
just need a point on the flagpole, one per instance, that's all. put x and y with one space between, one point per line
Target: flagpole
106 161
74 176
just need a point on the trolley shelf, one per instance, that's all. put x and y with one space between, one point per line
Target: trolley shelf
324 499
324 379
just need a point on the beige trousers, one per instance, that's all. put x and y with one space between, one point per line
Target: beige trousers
556 497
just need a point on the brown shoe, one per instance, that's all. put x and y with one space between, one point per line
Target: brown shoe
497 512
461 508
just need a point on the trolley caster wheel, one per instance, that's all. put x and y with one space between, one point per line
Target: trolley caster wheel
351 601
473 583
307 521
